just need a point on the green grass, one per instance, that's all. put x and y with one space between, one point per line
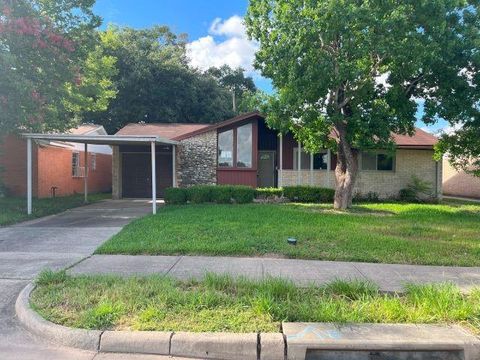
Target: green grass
445 234
14 209
219 303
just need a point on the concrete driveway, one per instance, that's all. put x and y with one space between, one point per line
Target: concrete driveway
53 242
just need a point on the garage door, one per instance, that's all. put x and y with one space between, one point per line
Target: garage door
137 174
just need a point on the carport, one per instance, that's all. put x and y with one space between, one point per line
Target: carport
113 140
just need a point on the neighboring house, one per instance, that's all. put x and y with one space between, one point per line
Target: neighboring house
243 150
57 166
459 183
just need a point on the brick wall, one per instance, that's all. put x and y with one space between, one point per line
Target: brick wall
55 169
384 183
52 166
13 163
459 183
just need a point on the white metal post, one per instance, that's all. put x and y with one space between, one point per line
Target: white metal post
85 175
299 162
311 169
280 175
329 162
29 176
154 179
174 174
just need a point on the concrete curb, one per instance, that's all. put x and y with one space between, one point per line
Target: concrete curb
226 346
62 335
293 344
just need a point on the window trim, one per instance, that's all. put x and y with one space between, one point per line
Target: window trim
75 155
376 153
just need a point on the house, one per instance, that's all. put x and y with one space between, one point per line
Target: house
243 150
458 182
58 166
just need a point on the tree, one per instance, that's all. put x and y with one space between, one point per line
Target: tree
155 82
356 69
235 81
50 67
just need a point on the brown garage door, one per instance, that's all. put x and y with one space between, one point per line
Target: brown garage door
137 174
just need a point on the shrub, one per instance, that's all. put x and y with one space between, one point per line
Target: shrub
222 194
243 194
417 190
268 193
371 196
176 196
308 194
200 193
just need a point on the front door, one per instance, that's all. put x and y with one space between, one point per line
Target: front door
266 169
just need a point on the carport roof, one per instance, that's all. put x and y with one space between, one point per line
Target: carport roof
103 139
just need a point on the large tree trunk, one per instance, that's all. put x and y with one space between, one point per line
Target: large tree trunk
345 172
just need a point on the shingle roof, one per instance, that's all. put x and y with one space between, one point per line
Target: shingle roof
83 129
169 131
177 131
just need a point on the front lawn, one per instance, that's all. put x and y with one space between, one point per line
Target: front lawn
14 209
219 303
446 234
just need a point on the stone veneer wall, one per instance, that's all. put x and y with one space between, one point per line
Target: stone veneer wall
196 160
384 183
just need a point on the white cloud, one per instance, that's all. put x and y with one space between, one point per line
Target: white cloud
234 49
233 26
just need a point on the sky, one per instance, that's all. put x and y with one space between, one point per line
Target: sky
215 31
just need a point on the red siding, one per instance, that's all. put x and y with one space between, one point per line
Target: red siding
241 176
288 144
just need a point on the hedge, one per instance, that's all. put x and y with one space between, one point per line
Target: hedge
308 194
266 193
220 194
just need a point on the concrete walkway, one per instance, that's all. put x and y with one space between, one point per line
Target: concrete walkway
389 277
53 242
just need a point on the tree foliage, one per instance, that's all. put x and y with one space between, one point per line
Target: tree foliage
357 68
155 82
50 67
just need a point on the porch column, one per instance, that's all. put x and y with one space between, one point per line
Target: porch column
85 175
311 169
299 163
280 168
29 176
154 179
329 162
174 173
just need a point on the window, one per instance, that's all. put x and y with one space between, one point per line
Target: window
93 164
238 153
244 146
320 160
377 161
75 164
225 149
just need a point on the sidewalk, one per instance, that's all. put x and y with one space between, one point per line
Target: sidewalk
389 277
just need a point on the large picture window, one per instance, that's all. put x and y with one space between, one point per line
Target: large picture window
378 161
244 146
235 147
320 160
225 149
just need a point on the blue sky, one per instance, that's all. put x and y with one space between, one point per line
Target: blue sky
214 27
